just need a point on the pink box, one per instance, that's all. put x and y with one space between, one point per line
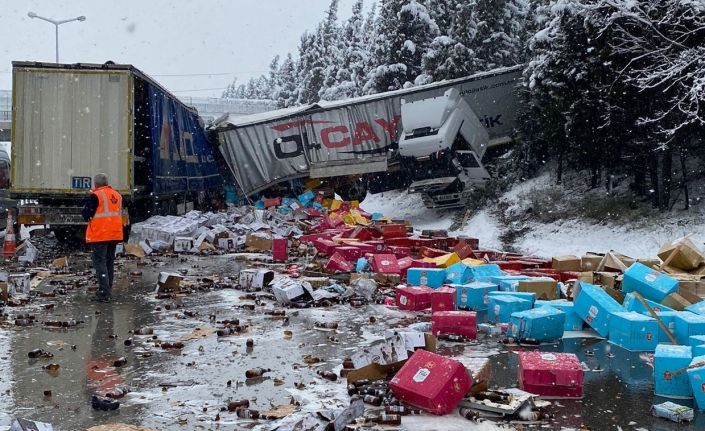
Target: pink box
463 323
280 249
413 298
385 263
351 254
325 246
337 263
398 251
360 233
431 382
364 247
379 245
443 299
551 375
310 238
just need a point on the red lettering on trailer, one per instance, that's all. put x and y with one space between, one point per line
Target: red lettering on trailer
364 133
390 126
341 142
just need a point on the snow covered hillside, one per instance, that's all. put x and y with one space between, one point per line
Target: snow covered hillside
542 239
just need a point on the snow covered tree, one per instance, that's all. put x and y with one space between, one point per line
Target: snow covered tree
500 32
350 62
286 93
443 11
451 55
273 80
403 33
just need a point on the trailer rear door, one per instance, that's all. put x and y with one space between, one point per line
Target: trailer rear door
69 125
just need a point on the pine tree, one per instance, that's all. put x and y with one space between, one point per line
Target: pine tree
273 80
452 56
404 32
443 12
499 32
286 93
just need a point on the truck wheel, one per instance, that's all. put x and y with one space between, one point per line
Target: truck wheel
355 190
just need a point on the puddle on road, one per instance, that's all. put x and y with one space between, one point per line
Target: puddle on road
177 390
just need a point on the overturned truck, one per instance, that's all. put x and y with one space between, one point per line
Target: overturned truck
433 139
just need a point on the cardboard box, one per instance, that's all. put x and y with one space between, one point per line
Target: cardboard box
393 231
229 244
27 425
430 277
385 264
169 282
687 324
445 260
612 280
443 299
280 249
590 262
349 253
551 375
630 303
508 283
259 242
651 284
484 273
458 273
573 322
183 244
287 289
667 360
682 254
501 307
633 331
431 382
463 250
338 263
473 296
697 308
255 279
19 284
463 323
413 298
614 262
526 296
595 307
541 324
668 318
696 377
4 291
676 302
566 263
544 289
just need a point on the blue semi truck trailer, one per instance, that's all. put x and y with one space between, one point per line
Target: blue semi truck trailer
71 121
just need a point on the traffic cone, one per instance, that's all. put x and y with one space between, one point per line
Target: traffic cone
10 246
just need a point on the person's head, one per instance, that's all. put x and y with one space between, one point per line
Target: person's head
100 180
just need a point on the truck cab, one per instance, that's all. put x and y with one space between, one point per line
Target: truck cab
443 142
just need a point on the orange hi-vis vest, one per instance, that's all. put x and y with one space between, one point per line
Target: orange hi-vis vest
106 224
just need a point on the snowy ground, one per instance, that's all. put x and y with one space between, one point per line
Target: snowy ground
545 240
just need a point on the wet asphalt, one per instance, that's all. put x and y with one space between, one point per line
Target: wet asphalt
185 389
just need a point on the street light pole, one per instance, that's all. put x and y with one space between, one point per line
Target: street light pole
56 23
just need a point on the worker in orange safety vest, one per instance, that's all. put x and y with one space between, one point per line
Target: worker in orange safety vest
103 212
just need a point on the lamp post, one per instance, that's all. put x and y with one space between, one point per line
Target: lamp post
56 26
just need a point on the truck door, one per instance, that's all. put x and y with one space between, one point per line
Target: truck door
472 172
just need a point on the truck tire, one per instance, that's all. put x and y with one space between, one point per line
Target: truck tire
355 190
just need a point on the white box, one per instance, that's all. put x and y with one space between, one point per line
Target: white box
18 283
183 244
255 278
227 243
168 282
286 289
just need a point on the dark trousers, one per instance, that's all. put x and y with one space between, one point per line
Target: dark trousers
104 265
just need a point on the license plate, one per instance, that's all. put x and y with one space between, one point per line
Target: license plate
81 183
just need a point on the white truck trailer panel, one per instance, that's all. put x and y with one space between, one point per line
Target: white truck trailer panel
69 125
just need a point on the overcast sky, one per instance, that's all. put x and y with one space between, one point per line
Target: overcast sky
231 38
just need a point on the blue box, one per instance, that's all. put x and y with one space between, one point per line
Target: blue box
633 331
697 308
688 324
669 320
696 340
377 216
667 360
259 205
541 324
696 376
528 296
595 306
458 273
699 350
473 296
501 307
652 284
306 198
485 272
508 283
633 304
429 277
362 265
573 322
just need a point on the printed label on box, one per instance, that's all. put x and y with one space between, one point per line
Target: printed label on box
424 279
403 300
385 263
496 309
548 357
651 277
463 298
421 375
592 312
